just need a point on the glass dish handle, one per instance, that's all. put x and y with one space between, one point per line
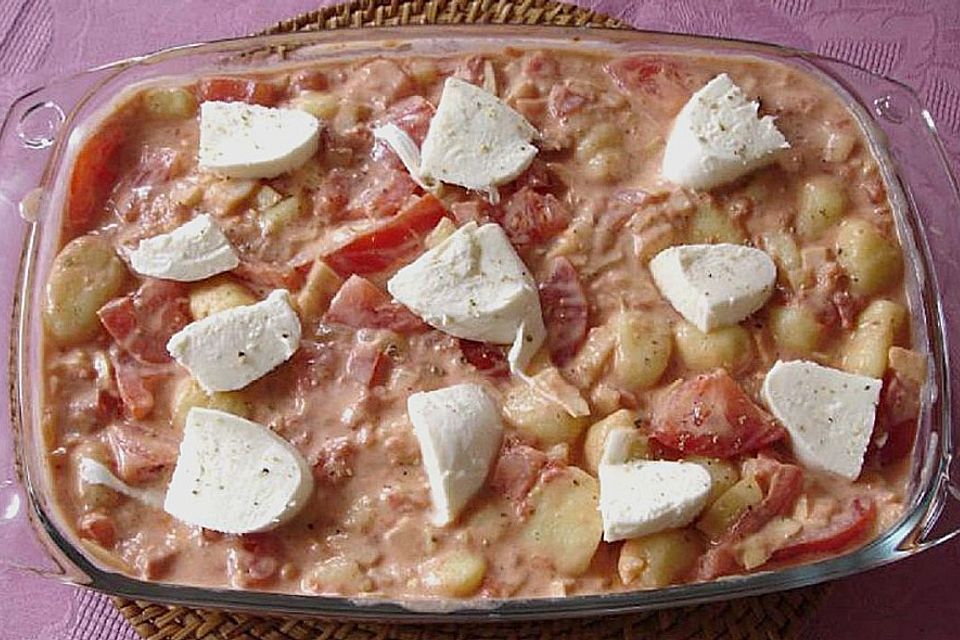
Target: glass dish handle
27 139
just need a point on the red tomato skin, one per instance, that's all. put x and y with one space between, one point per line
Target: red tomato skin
710 415
141 454
516 469
564 305
232 89
491 359
397 238
95 170
853 525
361 305
531 218
141 323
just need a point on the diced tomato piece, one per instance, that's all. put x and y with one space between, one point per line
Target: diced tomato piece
99 528
309 80
94 172
516 469
382 196
157 164
366 363
536 176
255 560
782 484
640 73
479 211
896 423
540 65
565 100
141 454
530 218
332 196
233 89
141 323
271 275
564 305
471 70
334 460
848 527
491 359
361 305
413 115
710 415
395 239
132 385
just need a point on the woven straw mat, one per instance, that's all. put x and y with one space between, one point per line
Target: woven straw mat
770 617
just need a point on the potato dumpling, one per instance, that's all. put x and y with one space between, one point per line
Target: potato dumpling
795 329
820 205
217 294
869 258
565 525
782 247
456 574
643 347
317 103
170 103
727 347
274 219
189 394
658 559
727 509
723 474
84 276
321 285
337 574
225 197
867 349
538 417
710 225
597 435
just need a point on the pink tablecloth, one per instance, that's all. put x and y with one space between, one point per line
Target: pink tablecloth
917 42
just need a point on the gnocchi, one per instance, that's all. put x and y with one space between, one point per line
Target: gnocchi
565 527
795 329
728 347
870 259
729 506
821 204
456 574
866 351
85 275
658 559
644 344
217 294
596 438
540 418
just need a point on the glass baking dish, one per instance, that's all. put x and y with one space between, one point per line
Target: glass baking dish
44 127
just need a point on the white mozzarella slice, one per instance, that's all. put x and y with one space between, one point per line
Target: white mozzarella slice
473 285
236 476
459 431
475 140
191 252
717 137
828 413
406 149
714 285
92 472
646 496
240 140
230 349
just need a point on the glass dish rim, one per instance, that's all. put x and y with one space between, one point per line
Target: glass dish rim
899 541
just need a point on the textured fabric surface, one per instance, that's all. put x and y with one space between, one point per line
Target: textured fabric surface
916 42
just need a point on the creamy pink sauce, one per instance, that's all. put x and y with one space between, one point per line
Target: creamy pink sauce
371 504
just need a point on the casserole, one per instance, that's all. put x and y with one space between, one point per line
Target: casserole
928 473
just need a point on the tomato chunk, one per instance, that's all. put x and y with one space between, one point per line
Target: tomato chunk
710 415
133 386
361 305
491 359
94 172
141 454
564 305
896 424
640 73
398 238
844 530
141 323
516 469
272 275
413 115
782 484
530 218
366 362
231 89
